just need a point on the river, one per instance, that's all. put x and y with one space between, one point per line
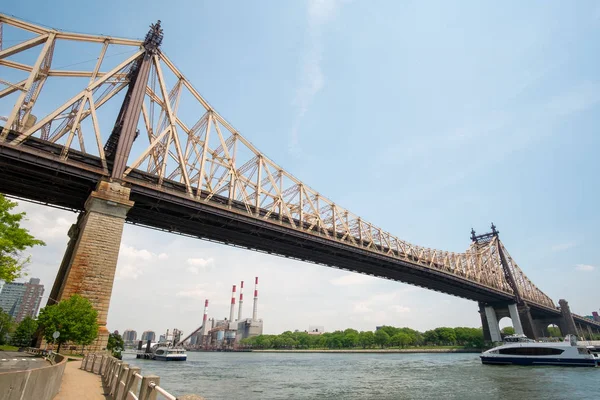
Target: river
269 376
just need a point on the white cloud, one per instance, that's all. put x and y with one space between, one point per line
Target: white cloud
352 279
320 12
129 271
563 246
200 264
400 309
197 292
584 267
136 254
163 256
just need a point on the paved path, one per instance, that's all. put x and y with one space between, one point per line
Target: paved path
80 385
16 361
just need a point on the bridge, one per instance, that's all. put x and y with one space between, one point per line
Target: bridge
130 139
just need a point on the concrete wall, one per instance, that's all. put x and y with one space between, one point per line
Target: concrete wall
39 384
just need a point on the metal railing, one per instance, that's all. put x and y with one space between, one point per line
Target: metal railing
124 382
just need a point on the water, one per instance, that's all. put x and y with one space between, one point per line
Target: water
287 376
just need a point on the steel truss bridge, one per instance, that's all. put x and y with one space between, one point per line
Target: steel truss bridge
64 99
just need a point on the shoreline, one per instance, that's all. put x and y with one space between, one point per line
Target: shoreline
370 351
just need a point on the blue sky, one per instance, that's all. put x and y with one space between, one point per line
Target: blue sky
425 118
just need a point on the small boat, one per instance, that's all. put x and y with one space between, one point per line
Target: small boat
165 351
520 350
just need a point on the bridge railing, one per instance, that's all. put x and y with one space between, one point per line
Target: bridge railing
124 382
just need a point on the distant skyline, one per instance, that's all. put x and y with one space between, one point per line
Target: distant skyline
424 118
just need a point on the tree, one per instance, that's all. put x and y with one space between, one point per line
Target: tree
401 339
366 339
382 338
24 333
13 241
6 326
554 331
508 330
74 318
115 344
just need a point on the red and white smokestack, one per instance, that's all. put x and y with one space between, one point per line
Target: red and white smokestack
241 301
205 312
255 308
231 311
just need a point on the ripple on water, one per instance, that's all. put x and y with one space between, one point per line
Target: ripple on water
270 376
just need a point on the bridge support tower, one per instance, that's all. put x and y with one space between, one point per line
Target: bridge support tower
88 267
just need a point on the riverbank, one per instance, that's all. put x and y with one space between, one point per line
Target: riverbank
391 351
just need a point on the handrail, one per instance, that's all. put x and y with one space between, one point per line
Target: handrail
124 382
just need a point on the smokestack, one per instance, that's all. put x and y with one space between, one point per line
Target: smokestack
231 311
255 308
241 301
205 317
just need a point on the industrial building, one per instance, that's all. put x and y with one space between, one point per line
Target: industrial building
21 299
226 333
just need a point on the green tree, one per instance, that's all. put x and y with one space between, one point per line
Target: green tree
74 318
401 339
366 339
554 331
115 344
382 338
508 330
24 333
446 335
13 241
6 326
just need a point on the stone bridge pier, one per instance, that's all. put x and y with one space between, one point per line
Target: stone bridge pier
524 321
90 261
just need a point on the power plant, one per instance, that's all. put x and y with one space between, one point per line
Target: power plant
227 333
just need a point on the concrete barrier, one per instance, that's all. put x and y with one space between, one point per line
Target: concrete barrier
39 383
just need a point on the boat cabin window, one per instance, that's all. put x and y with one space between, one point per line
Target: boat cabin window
583 350
160 351
531 351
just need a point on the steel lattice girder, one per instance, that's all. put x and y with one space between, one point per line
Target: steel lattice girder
188 150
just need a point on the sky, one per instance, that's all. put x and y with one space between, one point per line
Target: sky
425 118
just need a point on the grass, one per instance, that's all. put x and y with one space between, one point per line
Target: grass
6 347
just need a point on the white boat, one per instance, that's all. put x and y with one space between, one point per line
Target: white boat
520 350
167 352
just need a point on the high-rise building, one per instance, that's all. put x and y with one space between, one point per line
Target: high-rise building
148 335
129 336
21 299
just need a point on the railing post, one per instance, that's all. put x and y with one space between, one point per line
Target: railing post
101 365
82 366
121 382
93 364
113 375
129 382
147 391
122 371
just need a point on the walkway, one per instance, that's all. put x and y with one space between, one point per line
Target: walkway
80 385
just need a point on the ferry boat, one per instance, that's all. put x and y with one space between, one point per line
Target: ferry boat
166 352
520 350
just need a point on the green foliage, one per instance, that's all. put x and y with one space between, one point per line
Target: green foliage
509 330
115 344
13 241
24 333
74 318
6 326
554 331
366 339
382 338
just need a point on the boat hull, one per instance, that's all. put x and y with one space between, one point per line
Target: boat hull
572 362
170 358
